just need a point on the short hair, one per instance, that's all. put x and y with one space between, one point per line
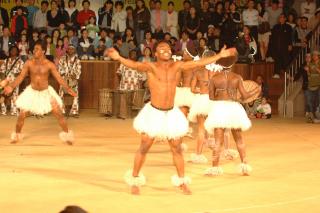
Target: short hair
158 43
170 3
42 44
157 1
186 2
44 2
119 3
85 1
12 47
129 8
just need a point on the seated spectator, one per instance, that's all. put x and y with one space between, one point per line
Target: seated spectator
103 35
193 23
105 15
246 46
72 13
231 26
73 39
92 27
182 44
167 37
264 109
199 35
33 40
251 109
121 47
55 36
84 15
264 87
99 50
50 51
60 51
6 41
129 35
216 42
202 46
23 46
147 41
19 5
146 55
130 18
18 23
54 17
218 15
62 30
85 48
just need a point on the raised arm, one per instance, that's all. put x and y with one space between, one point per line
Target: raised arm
209 60
139 66
57 76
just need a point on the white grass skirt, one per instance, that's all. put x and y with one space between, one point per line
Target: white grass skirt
183 97
37 102
159 124
227 114
200 106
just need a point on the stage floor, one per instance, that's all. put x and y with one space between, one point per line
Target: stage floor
43 175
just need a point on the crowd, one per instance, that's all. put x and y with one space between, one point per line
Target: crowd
264 30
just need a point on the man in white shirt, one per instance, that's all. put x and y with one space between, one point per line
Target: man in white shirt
158 21
308 8
274 13
251 19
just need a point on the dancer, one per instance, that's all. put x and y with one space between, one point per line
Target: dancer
159 118
227 113
184 96
39 98
10 69
70 69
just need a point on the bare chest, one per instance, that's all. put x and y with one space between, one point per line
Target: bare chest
39 70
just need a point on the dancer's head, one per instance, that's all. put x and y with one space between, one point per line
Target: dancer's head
163 51
39 50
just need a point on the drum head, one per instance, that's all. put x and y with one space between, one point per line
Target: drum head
249 86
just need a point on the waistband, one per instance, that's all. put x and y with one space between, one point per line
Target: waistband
161 109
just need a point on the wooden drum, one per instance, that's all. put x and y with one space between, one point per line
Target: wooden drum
105 101
122 104
138 99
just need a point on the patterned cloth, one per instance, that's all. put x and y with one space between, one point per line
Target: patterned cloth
10 69
70 70
129 78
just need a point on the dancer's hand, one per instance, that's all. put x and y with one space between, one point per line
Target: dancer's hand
8 90
227 52
72 93
112 53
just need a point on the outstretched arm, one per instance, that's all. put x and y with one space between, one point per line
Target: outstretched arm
60 80
139 66
24 72
204 61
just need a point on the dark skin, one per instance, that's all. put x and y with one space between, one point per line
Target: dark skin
39 69
200 80
162 81
223 87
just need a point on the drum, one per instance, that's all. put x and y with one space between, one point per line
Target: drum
122 104
249 86
105 101
138 99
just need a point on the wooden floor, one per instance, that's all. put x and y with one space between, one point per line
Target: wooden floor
43 175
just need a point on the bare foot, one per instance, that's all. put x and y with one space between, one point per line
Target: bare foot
185 190
69 143
135 190
14 142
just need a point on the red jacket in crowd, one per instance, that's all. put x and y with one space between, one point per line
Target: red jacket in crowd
18 24
84 16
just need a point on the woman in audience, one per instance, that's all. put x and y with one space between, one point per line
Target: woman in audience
72 13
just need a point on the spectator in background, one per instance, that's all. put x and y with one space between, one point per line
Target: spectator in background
308 8
193 23
231 26
183 14
72 14
18 5
6 41
85 48
147 42
23 46
84 15
172 20
281 45
119 18
202 46
216 42
105 15
314 20
19 23
73 39
60 51
264 87
55 36
121 47
291 20
54 17
141 20
10 69
196 42
152 4
147 55
130 19
274 12
92 27
128 35
205 16
251 19
32 9
4 17
99 50
218 15
183 43
264 31
40 17
301 36
264 109
103 35
50 51
158 21
34 38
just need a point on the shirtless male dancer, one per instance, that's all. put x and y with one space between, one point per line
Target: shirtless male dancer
160 118
227 113
39 98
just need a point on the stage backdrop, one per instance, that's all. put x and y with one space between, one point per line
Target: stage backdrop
95 4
